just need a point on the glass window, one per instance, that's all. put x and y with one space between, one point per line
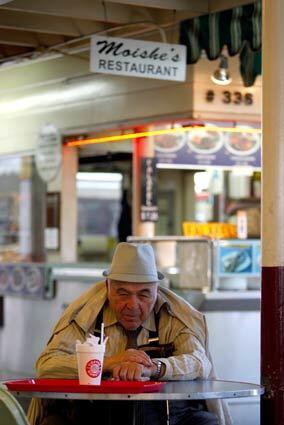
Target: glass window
21 229
99 198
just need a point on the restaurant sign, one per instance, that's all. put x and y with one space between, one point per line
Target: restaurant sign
222 144
149 209
135 58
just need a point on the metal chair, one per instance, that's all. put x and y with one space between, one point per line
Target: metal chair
11 412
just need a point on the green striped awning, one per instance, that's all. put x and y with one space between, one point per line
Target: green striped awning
239 29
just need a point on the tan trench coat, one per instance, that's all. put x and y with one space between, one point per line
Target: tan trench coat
96 297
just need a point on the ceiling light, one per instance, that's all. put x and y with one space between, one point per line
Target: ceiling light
221 75
106 177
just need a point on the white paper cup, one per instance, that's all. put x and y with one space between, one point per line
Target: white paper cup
90 363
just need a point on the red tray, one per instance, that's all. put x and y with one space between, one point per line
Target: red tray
73 386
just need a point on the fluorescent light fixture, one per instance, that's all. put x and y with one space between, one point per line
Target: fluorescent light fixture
99 177
101 188
63 95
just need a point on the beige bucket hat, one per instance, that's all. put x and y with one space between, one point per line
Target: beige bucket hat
134 263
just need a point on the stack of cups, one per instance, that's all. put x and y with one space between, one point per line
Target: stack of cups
90 358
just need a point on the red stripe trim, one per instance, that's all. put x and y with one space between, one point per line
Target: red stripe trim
272 345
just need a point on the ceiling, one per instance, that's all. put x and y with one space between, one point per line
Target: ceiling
32 28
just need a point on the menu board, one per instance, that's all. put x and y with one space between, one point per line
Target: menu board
149 208
203 145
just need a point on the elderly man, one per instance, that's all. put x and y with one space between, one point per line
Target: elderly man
152 333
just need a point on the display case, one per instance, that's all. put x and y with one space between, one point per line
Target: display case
187 263
206 264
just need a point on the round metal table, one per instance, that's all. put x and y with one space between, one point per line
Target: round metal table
173 390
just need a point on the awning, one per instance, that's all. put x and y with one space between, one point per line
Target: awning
239 29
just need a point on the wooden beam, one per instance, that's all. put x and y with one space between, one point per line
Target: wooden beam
218 5
194 6
8 52
47 24
26 39
18 38
114 11
83 9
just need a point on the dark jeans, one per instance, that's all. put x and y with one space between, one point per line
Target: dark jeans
191 413
62 412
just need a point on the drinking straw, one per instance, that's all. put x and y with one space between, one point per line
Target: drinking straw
102 333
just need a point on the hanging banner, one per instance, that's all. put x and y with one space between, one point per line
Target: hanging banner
149 208
48 152
136 58
206 145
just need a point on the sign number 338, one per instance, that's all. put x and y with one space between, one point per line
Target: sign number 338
235 97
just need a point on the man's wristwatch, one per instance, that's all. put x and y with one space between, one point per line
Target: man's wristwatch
158 365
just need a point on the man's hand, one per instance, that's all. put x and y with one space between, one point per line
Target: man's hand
131 371
129 356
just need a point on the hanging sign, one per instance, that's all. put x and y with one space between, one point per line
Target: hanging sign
149 209
200 147
48 153
135 58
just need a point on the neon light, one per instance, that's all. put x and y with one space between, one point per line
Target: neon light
129 136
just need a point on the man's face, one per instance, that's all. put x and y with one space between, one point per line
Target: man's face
131 302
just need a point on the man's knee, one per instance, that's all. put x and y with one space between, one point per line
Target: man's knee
202 418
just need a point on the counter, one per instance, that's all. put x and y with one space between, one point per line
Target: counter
222 300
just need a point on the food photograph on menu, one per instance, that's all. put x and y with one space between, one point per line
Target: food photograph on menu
204 141
242 143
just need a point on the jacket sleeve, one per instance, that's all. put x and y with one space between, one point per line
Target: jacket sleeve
58 360
189 360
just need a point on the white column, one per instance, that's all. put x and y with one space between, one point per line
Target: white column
273 135
272 299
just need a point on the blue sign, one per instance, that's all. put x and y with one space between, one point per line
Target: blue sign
236 259
256 258
200 147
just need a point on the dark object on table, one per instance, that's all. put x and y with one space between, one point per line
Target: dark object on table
125 220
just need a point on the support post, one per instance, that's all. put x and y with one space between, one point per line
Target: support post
272 304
